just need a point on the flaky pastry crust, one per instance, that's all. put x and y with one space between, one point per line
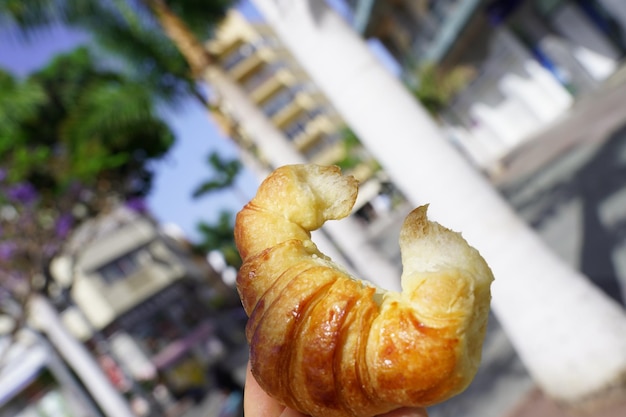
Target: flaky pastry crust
330 345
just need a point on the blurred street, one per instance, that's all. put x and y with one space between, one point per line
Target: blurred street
569 184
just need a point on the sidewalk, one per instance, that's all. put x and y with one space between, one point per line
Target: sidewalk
537 405
590 120
558 181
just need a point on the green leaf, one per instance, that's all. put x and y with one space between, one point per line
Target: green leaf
219 236
225 172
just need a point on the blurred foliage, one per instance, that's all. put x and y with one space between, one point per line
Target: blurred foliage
435 88
219 236
354 153
225 172
129 31
78 122
350 143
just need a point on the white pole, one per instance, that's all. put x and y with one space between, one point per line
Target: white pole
79 359
571 337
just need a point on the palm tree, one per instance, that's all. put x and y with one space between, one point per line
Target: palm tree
542 304
170 61
220 236
225 172
76 121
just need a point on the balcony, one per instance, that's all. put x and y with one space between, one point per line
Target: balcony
266 81
242 61
288 112
306 128
297 128
325 149
138 287
235 56
278 102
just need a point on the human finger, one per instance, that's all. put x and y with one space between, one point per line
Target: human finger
256 402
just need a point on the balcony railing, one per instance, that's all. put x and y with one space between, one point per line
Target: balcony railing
277 102
238 55
261 76
298 126
280 100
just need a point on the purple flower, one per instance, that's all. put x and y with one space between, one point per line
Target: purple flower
7 250
75 188
64 225
23 193
3 174
137 204
50 249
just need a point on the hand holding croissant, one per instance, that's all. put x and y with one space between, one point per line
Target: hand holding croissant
258 404
327 344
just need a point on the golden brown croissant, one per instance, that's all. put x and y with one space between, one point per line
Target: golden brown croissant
330 345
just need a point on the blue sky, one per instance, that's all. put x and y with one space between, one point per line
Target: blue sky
182 169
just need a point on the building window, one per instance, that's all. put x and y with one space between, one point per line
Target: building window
124 266
256 79
278 101
167 321
266 41
298 126
262 75
231 60
324 142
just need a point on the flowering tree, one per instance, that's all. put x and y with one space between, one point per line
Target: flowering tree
75 139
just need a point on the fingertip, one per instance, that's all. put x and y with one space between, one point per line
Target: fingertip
256 402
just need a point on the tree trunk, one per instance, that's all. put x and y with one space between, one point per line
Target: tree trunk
189 46
570 336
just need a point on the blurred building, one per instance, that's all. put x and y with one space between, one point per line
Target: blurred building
253 58
35 382
531 59
155 316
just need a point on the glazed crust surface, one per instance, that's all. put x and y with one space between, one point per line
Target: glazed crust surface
328 344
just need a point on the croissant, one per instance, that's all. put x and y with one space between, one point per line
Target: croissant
330 345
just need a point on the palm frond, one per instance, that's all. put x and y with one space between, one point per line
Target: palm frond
129 33
30 16
19 102
225 172
201 16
